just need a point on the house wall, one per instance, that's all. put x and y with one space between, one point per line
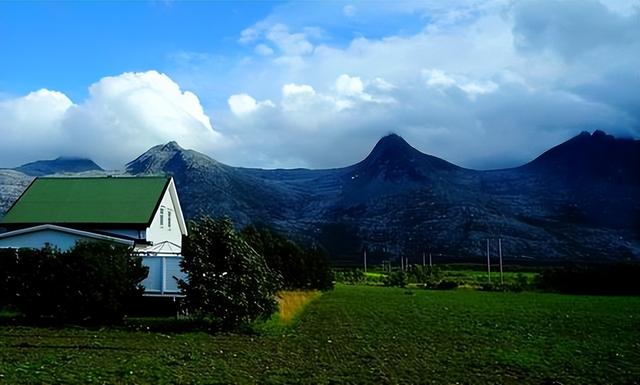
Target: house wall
162 268
37 239
157 233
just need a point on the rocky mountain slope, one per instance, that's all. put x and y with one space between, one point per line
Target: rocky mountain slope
579 200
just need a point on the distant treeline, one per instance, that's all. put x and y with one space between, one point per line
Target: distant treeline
601 279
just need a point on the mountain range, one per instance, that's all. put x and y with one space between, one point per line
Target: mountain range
579 200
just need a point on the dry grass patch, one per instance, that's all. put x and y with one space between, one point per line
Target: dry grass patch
290 303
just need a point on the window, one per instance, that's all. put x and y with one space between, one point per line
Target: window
169 220
161 216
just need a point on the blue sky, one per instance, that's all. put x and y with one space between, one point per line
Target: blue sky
66 46
482 83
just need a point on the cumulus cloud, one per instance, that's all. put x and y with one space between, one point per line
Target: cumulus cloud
349 86
243 104
122 117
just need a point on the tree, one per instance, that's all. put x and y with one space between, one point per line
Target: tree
300 268
227 280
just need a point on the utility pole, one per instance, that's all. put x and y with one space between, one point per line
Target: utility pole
365 260
430 264
500 252
423 264
401 263
488 261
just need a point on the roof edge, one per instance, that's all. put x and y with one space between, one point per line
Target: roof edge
67 230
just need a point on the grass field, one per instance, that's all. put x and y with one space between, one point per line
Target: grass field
358 335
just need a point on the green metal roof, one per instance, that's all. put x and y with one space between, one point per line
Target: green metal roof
123 200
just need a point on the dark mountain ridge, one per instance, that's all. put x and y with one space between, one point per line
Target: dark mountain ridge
565 204
578 201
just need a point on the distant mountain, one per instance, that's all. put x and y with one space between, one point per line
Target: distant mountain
57 166
578 201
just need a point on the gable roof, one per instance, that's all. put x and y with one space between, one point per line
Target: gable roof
103 200
85 234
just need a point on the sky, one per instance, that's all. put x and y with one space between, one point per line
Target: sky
483 84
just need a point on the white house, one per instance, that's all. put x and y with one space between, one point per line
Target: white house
143 212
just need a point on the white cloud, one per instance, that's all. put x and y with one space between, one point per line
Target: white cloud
349 86
437 78
294 90
296 96
264 50
382 84
122 117
243 104
479 88
293 44
349 10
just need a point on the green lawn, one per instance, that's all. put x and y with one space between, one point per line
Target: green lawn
358 335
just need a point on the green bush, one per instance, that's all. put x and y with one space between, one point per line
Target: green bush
429 275
91 282
447 284
227 280
396 278
351 276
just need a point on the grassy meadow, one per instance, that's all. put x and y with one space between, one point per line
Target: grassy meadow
355 335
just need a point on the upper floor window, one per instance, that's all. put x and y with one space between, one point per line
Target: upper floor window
161 216
169 220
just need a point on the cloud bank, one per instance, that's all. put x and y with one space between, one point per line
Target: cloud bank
485 84
123 116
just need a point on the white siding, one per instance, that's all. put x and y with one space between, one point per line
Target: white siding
157 233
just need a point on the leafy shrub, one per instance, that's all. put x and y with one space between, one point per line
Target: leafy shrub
93 281
351 276
396 278
300 268
447 285
227 280
424 274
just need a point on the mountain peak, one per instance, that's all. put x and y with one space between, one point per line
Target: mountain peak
393 159
61 164
167 158
596 154
390 147
392 141
171 146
